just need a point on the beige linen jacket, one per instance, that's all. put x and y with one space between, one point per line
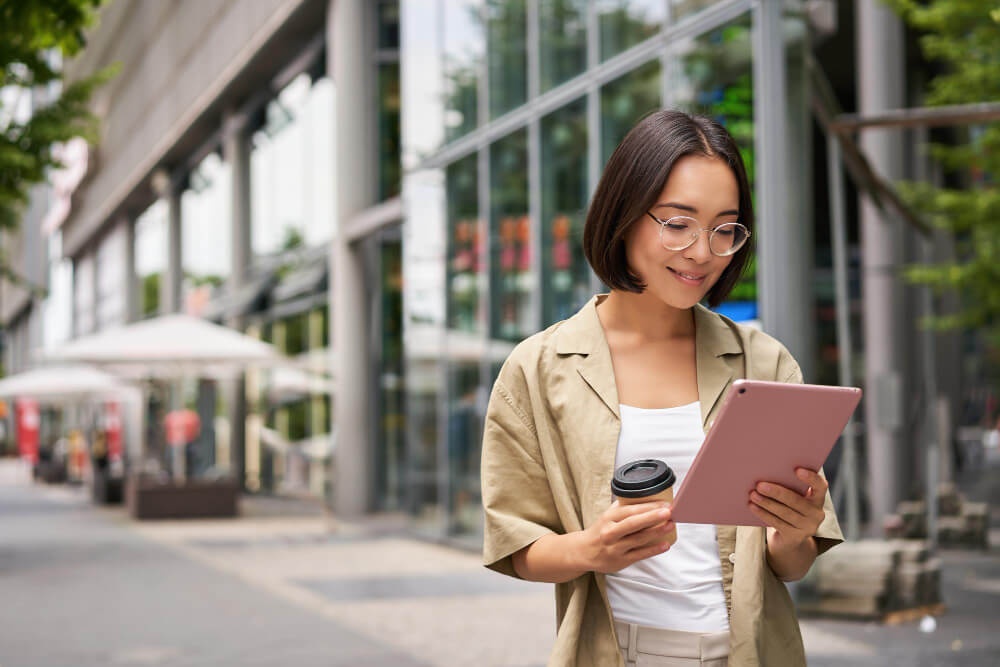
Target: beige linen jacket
548 457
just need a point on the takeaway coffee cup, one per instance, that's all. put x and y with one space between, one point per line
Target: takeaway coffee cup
643 481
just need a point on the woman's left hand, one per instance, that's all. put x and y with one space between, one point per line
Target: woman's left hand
792 519
794 516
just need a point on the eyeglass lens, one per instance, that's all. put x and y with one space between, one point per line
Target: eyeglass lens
680 233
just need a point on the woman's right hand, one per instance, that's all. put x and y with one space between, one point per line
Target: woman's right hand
626 534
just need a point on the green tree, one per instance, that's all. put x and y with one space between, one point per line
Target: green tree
34 35
963 38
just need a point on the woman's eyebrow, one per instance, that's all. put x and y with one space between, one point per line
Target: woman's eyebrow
692 209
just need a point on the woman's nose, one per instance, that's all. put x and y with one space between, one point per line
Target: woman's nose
700 251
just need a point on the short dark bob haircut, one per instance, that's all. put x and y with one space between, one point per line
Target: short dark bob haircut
633 179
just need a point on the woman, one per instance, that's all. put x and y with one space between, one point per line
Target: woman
640 373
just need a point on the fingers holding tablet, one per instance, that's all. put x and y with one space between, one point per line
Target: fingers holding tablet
788 510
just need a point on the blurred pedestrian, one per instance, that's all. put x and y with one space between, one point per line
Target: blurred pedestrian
638 371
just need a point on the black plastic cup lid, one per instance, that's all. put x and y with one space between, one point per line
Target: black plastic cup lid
645 477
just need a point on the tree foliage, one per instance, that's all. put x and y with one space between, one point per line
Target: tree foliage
35 35
963 38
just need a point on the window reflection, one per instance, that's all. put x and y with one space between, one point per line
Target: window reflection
424 382
150 256
512 281
110 274
206 235
566 274
625 23
291 169
562 30
390 168
714 77
388 24
465 246
626 100
465 430
463 57
506 30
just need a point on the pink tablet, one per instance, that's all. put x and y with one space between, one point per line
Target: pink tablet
763 432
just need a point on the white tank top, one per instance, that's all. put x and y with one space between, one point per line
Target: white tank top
682 588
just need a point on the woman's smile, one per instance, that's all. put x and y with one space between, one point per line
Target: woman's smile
688 277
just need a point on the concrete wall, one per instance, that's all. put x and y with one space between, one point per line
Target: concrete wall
180 64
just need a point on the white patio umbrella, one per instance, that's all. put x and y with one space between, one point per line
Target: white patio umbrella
169 346
62 383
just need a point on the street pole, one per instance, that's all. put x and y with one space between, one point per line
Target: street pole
930 384
847 479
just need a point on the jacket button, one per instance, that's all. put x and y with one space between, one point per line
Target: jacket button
732 558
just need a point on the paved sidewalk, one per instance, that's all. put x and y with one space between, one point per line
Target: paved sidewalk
434 603
438 606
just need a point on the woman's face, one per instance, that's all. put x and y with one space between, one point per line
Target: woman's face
701 188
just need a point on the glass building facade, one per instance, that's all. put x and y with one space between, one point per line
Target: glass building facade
510 110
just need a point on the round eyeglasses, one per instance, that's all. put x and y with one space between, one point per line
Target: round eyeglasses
680 233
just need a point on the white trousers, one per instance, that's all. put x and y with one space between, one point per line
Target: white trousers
653 647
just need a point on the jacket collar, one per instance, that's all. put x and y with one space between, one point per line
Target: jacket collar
718 352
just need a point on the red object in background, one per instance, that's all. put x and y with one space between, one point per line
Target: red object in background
27 428
113 430
181 426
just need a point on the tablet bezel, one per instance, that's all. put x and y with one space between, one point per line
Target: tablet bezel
792 425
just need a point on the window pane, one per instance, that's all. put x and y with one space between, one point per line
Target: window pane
566 274
206 233
562 40
465 429
625 101
424 385
465 247
625 23
713 77
390 171
150 256
463 57
291 168
506 30
388 24
510 238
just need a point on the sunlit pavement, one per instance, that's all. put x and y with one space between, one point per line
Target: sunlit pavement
82 585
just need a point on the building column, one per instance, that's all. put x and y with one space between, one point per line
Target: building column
170 285
784 239
881 77
349 59
236 151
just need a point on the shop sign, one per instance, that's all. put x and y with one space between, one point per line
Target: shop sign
27 429
113 430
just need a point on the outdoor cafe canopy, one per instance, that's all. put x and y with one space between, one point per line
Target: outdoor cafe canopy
169 347
63 383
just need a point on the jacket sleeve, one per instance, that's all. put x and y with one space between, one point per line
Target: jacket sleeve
828 534
517 499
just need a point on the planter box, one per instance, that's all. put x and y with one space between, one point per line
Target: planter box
194 499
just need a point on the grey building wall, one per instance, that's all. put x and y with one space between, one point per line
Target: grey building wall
182 63
20 312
